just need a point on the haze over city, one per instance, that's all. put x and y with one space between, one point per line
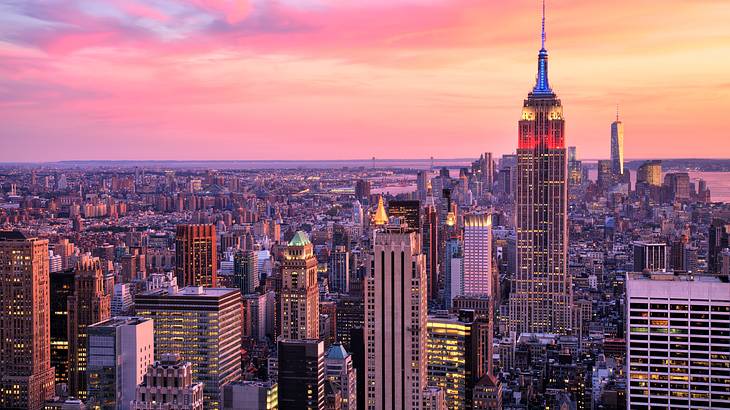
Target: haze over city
322 79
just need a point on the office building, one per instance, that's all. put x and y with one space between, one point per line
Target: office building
254 316
650 173
395 320
677 185
477 274
718 239
120 349
606 177
122 300
431 245
488 393
246 271
62 286
409 212
301 374
649 256
575 168
89 304
339 371
195 255
299 293
251 395
339 270
204 326
453 270
168 384
541 294
458 351
617 146
677 341
26 375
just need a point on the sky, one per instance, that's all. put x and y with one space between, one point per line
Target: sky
352 79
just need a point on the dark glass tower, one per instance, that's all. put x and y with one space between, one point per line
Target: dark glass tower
541 289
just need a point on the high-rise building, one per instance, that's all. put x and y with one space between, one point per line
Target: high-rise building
168 384
301 374
62 286
677 341
339 270
649 256
89 304
458 351
195 255
362 190
617 146
300 292
409 212
246 271
26 375
122 300
606 177
718 239
254 316
677 183
575 167
430 235
251 395
119 351
395 320
650 173
339 371
203 325
477 275
453 270
541 294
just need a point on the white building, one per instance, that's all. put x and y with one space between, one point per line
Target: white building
122 300
395 321
678 341
478 254
168 385
120 349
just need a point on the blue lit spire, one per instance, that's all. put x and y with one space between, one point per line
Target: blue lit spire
542 86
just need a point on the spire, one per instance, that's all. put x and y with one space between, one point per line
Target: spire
543 25
381 217
617 113
542 86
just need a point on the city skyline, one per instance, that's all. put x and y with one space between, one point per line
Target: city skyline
126 80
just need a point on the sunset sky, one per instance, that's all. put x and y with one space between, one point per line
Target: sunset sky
339 79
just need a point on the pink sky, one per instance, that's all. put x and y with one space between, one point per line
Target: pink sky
338 79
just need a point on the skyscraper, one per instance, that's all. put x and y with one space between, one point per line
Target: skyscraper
203 325
62 286
617 146
541 289
478 254
119 351
26 375
246 271
430 235
89 304
395 321
301 374
650 173
677 341
195 255
299 293
339 270
457 355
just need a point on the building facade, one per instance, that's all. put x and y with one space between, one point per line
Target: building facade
477 273
119 349
169 385
204 326
196 255
678 343
300 292
395 321
541 294
26 375
301 374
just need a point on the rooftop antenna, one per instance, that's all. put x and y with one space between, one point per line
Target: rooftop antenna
543 24
616 112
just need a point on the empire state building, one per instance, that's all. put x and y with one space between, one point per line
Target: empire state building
541 296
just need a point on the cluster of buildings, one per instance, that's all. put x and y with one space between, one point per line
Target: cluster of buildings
515 283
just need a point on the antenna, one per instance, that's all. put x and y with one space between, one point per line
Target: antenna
616 112
543 24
